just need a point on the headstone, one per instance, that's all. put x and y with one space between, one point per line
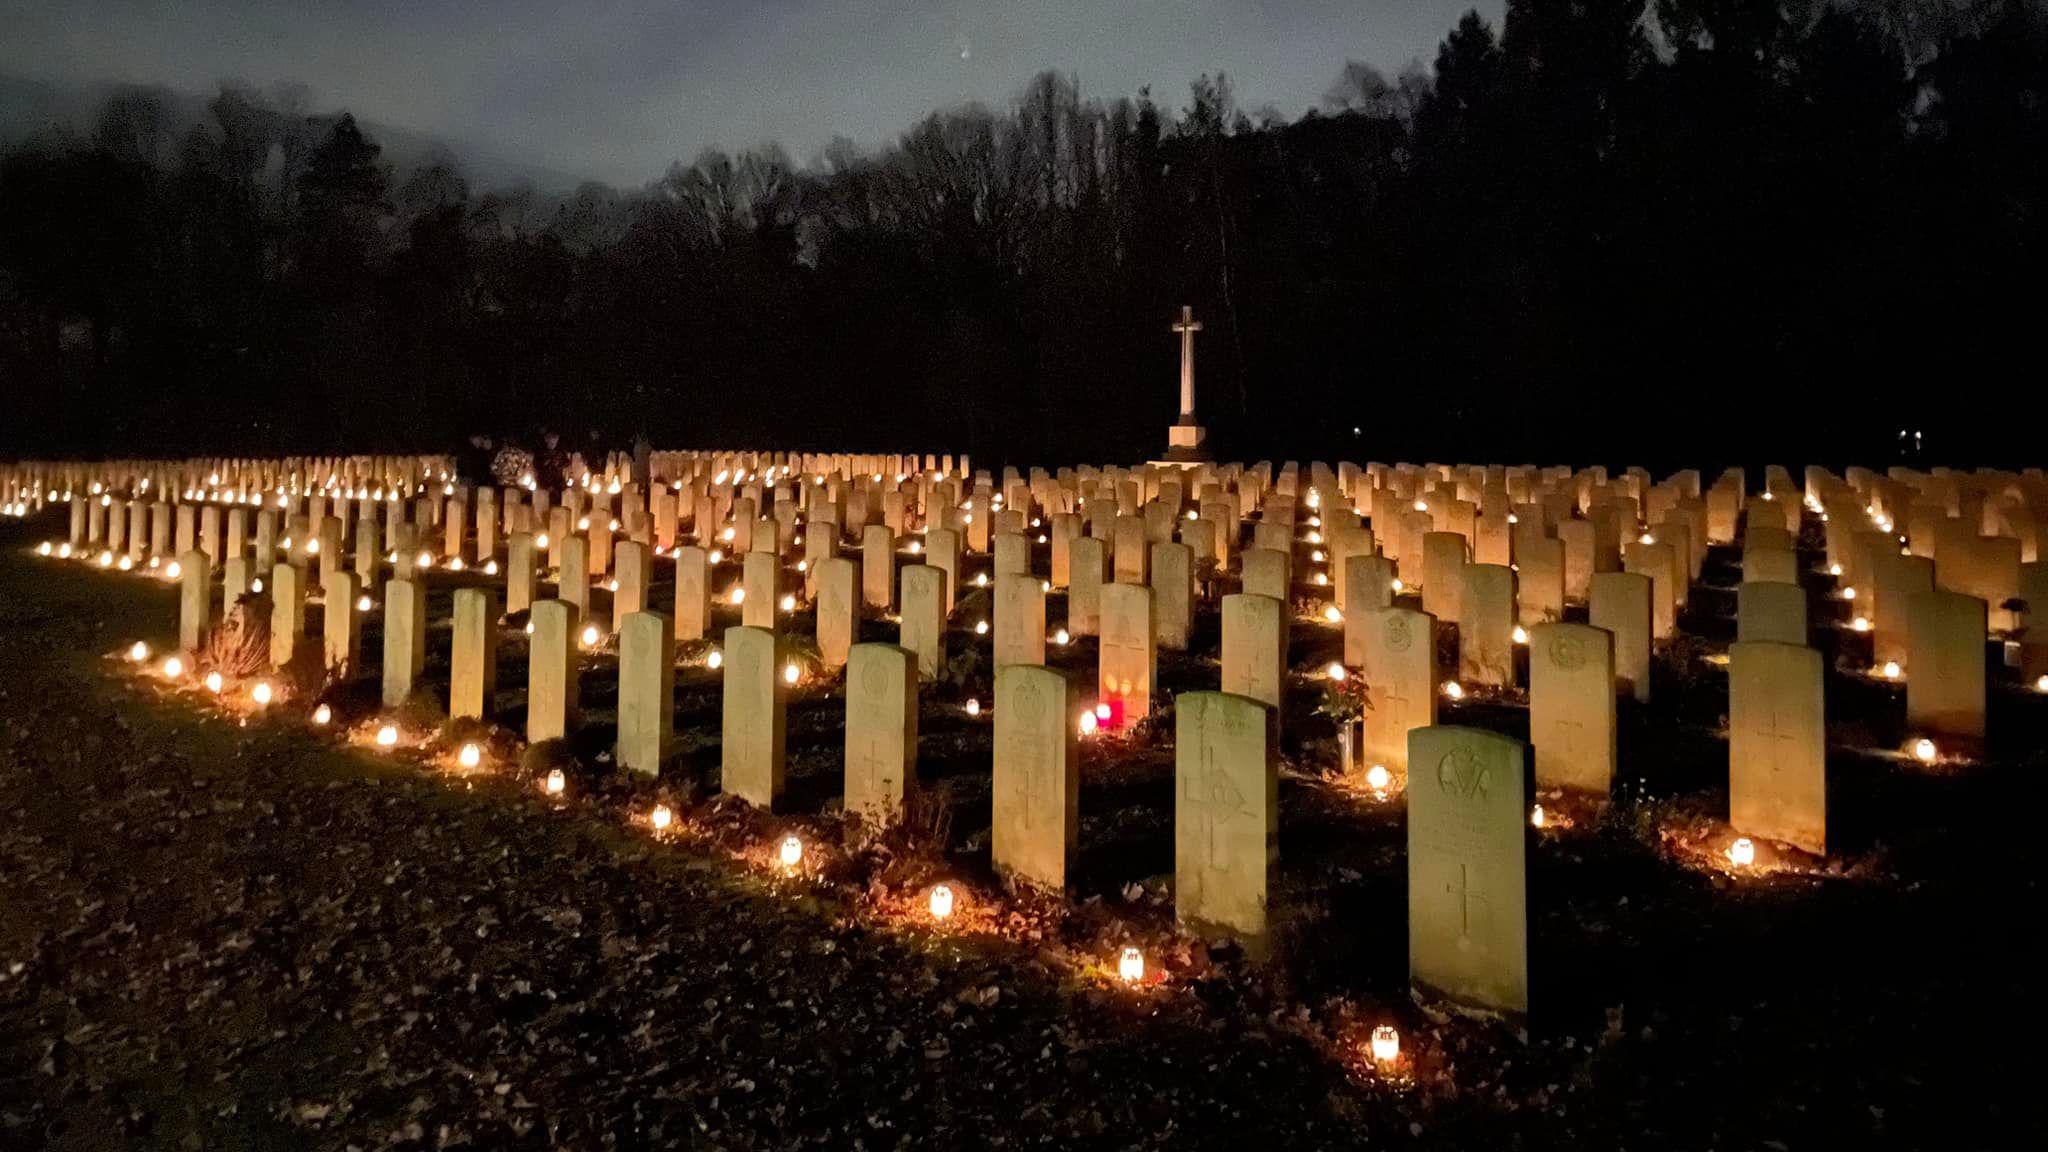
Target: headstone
1087 566
1770 566
761 578
1571 706
1267 572
1255 651
755 720
1486 628
878 566
1945 634
1226 828
341 631
405 639
630 561
1128 659
552 689
1659 562
1019 620
1173 589
1037 783
1895 580
1772 612
881 731
1468 919
195 599
287 612
473 654
1621 606
1399 666
923 616
693 593
838 610
1777 746
647 690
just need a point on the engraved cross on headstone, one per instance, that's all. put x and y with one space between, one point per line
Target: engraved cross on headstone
1466 898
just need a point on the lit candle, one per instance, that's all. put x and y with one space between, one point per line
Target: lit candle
1386 1044
1742 853
941 901
1377 777
470 756
661 818
792 852
1131 965
557 782
387 736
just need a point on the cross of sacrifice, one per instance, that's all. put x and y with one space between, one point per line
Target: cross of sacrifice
1186 327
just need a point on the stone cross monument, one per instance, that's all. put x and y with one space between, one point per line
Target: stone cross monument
1185 439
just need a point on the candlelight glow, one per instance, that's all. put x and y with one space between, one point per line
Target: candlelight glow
1536 816
789 602
540 541
1520 634
715 660
739 595
2041 684
792 851
491 568
557 782
790 673
364 603
1088 723
387 736
1386 1044
470 756
261 693
1742 853
1849 593
173 667
1332 615
941 901
591 636
973 707
44 549
426 560
1924 750
173 572
1377 777
1891 669
981 627
1335 671
1454 690
138 652
661 818
981 579
1860 624
1397 585
322 714
1061 638
214 682
1130 967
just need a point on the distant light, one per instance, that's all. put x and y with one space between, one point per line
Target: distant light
1336 671
973 707
1860 624
1061 638
1088 723
1520 634
138 652
591 636
261 693
387 736
470 756
1924 751
1536 816
322 714
173 667
1130 967
1333 615
1454 690
715 660
1742 853
941 902
557 782
661 818
791 673
789 602
792 851
214 682
981 627
1377 777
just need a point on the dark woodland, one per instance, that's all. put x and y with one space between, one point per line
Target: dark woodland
1687 231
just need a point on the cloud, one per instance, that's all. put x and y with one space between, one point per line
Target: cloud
618 88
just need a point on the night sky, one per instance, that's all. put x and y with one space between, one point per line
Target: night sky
616 89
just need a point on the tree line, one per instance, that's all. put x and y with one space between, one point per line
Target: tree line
1624 230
